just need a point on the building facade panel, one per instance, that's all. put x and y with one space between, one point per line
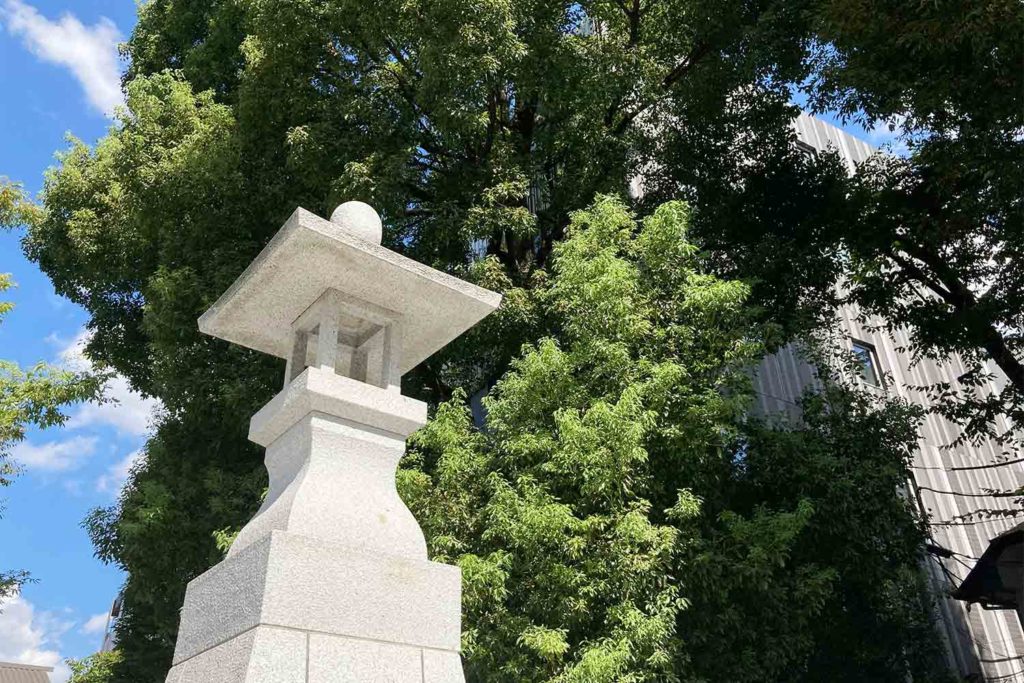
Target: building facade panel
983 645
24 673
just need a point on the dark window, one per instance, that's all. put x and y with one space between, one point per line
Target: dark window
807 150
867 359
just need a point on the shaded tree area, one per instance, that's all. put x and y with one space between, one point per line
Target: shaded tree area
934 238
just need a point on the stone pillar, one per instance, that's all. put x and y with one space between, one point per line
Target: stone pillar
330 581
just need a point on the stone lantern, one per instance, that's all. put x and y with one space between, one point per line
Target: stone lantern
330 581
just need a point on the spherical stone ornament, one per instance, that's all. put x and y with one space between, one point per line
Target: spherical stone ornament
360 219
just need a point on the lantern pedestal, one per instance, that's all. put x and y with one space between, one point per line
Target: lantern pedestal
292 609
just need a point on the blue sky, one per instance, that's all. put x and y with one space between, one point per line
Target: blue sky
59 73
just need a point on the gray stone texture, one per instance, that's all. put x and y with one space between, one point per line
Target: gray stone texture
299 583
343 660
260 655
334 481
309 256
330 581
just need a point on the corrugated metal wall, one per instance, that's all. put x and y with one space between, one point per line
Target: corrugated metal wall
24 673
989 644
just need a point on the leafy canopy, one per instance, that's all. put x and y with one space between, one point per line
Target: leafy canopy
97 668
479 125
490 120
620 518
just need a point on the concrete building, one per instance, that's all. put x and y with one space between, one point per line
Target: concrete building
949 481
24 673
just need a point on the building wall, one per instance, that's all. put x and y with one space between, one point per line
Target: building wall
983 645
24 673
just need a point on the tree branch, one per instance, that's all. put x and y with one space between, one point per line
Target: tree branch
994 494
699 51
954 292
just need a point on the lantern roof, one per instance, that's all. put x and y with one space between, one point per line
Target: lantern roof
310 256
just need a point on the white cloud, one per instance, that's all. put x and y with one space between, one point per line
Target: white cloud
117 474
127 411
72 486
95 625
55 456
89 52
28 636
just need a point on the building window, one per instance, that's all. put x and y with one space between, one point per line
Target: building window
806 149
867 361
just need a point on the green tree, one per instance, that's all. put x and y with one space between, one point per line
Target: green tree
29 397
459 121
621 518
933 240
97 668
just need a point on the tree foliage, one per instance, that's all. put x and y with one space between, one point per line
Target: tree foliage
97 668
35 396
620 518
458 121
145 230
477 125
934 238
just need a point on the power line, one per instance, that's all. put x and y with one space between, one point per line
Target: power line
937 468
957 559
969 557
988 466
984 644
950 524
1007 677
998 494
953 579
